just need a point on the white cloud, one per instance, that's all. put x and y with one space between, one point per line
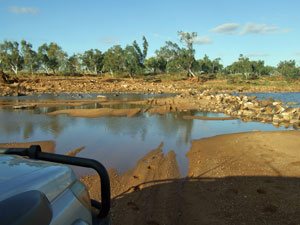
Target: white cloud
109 40
297 53
23 10
204 40
257 55
248 28
254 28
226 28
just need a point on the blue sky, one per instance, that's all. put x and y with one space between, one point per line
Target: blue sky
259 29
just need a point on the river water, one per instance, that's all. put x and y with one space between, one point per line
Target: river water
291 99
118 142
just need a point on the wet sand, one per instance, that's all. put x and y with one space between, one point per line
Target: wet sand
93 113
245 178
47 146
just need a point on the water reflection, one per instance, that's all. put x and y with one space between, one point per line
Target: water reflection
118 142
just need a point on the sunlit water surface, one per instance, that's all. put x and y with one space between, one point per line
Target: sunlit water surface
118 142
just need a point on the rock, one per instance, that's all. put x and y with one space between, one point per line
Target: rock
276 119
265 103
248 105
248 113
287 116
265 117
294 121
270 109
290 110
279 109
101 96
276 103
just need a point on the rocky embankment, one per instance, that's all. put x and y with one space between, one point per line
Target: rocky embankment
244 107
250 108
190 96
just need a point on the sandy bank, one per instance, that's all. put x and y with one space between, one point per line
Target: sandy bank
92 113
246 154
246 178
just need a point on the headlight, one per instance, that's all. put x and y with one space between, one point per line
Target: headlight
81 194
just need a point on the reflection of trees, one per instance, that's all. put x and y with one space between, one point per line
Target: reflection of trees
167 126
173 123
170 125
26 122
28 130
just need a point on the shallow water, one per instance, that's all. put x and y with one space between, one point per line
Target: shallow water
292 99
118 142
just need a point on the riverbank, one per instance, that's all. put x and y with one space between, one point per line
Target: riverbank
27 85
246 108
246 178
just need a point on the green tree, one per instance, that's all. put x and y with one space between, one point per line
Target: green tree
114 60
288 69
51 57
10 57
92 61
30 57
250 69
206 65
73 65
132 60
141 54
155 65
188 39
170 54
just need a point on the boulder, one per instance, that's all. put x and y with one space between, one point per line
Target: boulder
287 116
248 113
248 105
279 109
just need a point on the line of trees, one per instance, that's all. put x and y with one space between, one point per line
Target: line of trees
172 58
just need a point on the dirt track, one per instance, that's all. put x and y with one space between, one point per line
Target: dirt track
247 178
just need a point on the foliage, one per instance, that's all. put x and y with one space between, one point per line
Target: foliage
30 57
92 61
170 60
51 57
155 65
10 57
73 64
249 69
113 61
206 65
288 69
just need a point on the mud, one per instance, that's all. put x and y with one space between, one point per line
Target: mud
47 146
246 178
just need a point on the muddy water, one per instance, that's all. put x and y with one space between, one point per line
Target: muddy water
118 142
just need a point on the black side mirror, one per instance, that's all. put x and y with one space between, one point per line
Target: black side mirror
27 208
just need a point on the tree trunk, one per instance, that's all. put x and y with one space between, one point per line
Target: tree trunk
191 73
14 69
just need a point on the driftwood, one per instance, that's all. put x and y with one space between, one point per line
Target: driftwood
29 106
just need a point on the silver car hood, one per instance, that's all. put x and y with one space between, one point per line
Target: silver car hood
18 174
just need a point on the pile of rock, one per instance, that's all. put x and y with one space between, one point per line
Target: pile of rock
250 108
